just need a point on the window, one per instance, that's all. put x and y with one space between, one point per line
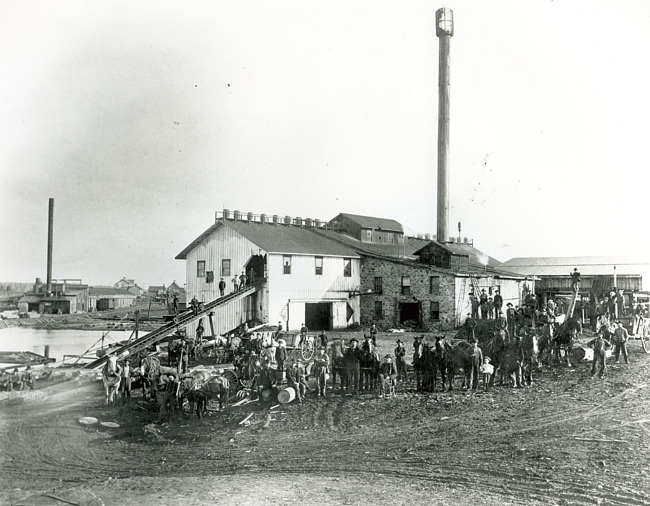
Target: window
225 268
434 285
379 285
406 285
347 267
391 238
286 262
209 278
319 266
200 268
400 238
368 235
435 310
379 310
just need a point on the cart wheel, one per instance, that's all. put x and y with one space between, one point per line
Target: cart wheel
645 339
307 350
233 382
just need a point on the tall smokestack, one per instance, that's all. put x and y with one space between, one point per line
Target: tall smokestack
444 31
50 233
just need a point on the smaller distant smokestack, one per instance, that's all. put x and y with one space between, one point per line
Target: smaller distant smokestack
50 239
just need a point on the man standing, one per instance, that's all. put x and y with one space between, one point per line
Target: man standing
303 334
599 345
490 308
575 280
620 340
266 378
352 359
400 354
28 377
242 280
502 322
321 366
125 383
483 302
235 283
470 326
281 354
498 303
222 287
200 330
194 304
475 305
476 360
373 333
511 318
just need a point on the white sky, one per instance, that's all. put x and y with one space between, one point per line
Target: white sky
142 118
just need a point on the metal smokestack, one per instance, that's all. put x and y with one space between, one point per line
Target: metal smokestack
50 233
444 32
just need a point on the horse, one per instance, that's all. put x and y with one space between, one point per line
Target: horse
457 356
418 366
567 333
530 352
151 369
506 356
370 362
432 360
111 379
199 386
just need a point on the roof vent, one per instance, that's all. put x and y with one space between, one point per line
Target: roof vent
427 237
276 219
465 240
451 239
298 221
263 218
237 215
317 223
226 214
309 222
287 220
250 216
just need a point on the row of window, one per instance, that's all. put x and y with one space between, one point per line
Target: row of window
434 310
286 262
434 285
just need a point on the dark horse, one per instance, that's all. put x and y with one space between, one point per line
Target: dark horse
432 361
566 335
200 386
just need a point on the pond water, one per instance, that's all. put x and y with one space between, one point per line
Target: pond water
61 342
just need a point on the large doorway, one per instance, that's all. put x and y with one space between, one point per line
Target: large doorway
409 311
318 315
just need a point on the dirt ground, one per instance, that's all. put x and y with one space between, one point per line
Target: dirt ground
566 440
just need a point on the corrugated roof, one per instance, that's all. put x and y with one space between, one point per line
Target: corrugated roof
94 290
372 222
587 265
273 238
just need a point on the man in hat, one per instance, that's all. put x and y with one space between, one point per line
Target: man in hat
387 376
476 360
321 368
475 304
599 345
511 318
266 378
296 379
487 370
400 354
575 280
242 280
235 283
323 339
470 326
490 309
194 304
222 287
303 334
165 395
16 379
498 302
373 333
352 360
125 382
620 341
281 354
28 377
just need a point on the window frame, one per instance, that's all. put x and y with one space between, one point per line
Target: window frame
200 268
434 304
225 274
433 285
379 314
406 288
318 269
379 284
347 267
286 264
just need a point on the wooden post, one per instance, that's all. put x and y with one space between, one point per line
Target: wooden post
210 315
137 313
149 310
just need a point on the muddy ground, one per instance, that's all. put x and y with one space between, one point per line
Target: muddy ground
566 440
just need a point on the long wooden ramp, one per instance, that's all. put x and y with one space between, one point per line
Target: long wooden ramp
181 321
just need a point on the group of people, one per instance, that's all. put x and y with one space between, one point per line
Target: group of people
608 334
486 306
17 380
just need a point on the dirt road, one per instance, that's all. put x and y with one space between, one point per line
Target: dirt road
566 440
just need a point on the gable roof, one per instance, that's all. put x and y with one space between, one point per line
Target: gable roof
587 265
276 238
372 222
406 250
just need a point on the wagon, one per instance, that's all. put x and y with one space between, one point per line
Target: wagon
302 349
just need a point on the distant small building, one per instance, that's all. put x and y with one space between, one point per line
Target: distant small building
155 291
103 299
174 287
67 296
368 229
130 285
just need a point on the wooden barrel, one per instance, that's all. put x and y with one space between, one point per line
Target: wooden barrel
286 395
